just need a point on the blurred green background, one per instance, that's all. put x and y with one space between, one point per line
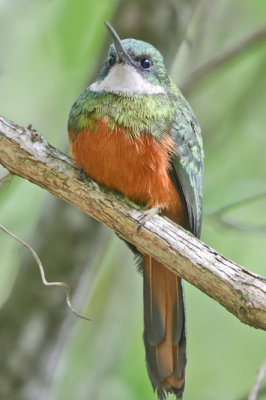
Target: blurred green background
49 51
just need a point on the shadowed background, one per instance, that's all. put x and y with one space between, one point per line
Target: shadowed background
50 51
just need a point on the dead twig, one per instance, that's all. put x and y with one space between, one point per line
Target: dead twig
44 280
220 214
222 58
256 387
6 178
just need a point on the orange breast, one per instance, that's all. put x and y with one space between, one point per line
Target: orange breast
136 167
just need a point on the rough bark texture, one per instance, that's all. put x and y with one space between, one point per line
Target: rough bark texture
25 153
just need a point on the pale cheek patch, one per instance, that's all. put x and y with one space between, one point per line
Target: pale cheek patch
125 78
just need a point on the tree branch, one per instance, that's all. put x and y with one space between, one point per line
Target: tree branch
25 153
222 58
220 215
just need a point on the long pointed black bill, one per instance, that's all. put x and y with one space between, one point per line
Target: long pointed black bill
122 54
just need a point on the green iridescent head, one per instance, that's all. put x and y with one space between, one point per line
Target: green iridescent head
133 67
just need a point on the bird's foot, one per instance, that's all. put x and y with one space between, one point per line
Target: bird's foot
29 126
146 216
82 174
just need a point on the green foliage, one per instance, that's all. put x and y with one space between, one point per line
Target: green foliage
49 50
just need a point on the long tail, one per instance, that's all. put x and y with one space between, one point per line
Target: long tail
164 329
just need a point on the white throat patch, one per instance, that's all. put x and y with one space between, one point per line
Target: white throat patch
125 78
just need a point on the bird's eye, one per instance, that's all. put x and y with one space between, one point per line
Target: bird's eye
111 60
145 63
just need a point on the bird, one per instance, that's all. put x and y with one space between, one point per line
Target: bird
132 131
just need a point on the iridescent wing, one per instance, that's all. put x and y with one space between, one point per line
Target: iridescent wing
187 164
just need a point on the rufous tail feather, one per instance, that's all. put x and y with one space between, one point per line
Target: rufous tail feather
164 329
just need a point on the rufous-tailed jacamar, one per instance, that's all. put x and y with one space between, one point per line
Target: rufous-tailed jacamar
133 131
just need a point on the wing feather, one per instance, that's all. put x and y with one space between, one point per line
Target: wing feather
187 163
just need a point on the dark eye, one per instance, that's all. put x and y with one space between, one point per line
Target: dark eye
145 63
111 60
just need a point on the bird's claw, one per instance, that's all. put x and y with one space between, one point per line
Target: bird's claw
146 216
82 174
